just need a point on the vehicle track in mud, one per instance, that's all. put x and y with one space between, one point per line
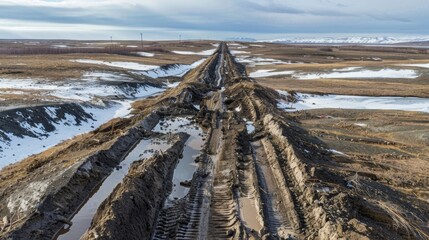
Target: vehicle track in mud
250 177
241 205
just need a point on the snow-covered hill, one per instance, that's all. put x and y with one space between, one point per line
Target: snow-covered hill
348 40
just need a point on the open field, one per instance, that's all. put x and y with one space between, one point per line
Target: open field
209 140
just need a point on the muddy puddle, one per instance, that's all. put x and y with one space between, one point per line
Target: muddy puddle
82 220
274 213
249 213
186 166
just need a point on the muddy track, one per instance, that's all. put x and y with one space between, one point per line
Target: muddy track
128 212
250 172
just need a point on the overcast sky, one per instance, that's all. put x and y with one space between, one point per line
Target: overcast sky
210 19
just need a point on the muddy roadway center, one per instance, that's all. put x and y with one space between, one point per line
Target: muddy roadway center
225 163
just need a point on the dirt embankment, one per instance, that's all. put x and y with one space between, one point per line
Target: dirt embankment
130 210
51 198
316 196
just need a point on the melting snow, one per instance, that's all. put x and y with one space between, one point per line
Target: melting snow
337 152
350 73
178 70
146 54
202 53
126 65
235 52
250 127
422 65
19 148
269 72
360 124
256 61
309 101
78 90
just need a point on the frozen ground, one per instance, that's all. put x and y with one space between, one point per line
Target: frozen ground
354 72
310 101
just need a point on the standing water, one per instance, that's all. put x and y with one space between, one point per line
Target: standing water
82 220
186 166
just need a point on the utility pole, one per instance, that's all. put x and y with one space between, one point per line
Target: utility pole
141 39
111 43
180 38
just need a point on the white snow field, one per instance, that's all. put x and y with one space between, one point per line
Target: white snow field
236 52
152 71
202 53
177 70
355 72
258 61
420 65
19 148
77 90
268 73
310 101
126 65
347 40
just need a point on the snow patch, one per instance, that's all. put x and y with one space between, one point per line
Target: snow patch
310 101
250 127
177 70
258 61
19 148
145 54
125 65
202 53
236 52
349 73
84 91
347 40
422 65
269 72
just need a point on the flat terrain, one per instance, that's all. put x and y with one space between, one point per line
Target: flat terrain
209 140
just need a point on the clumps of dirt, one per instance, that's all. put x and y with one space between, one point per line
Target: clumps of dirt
129 212
251 100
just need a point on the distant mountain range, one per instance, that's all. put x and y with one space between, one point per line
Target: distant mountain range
339 40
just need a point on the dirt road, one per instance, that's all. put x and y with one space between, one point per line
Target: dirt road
234 167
